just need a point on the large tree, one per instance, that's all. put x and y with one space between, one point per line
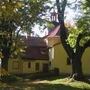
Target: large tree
16 16
74 43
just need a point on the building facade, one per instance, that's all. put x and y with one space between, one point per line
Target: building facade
34 59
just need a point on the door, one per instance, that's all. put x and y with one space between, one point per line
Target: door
45 67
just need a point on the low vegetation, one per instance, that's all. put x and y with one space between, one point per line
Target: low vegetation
53 83
65 84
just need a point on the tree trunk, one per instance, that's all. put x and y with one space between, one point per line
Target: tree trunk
76 61
77 73
4 61
74 56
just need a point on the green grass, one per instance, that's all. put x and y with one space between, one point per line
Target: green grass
66 84
53 83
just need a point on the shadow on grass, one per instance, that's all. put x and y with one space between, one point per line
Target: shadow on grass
57 87
45 86
42 87
54 77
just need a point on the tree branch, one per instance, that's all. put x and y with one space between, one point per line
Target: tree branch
63 29
87 44
72 2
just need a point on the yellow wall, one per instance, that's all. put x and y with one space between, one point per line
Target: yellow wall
60 58
33 62
11 68
86 61
23 66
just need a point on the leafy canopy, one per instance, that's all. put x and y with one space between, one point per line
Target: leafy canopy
83 28
16 16
22 13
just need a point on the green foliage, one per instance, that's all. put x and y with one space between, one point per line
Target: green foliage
22 13
17 48
84 22
14 14
11 78
84 39
72 38
50 25
86 4
83 27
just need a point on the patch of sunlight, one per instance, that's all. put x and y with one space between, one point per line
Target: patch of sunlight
79 84
61 81
67 82
43 81
72 83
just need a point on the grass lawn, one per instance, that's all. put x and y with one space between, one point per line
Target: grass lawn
64 84
55 83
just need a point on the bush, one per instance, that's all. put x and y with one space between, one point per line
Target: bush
56 71
40 75
10 78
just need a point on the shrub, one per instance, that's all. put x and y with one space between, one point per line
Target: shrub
10 78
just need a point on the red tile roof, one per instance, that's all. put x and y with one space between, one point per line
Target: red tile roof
34 41
36 53
53 37
37 49
54 32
